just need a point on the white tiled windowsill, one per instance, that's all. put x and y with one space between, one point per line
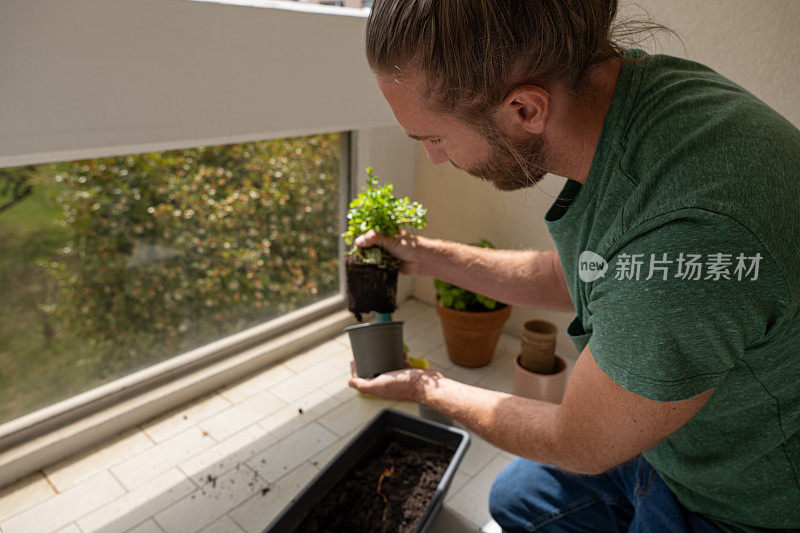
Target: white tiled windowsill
231 460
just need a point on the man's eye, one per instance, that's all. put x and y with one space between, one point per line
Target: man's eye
434 141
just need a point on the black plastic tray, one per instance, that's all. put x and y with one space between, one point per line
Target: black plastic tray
387 425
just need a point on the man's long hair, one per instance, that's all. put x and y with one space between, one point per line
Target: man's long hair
471 53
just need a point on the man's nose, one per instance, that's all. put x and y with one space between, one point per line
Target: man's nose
435 154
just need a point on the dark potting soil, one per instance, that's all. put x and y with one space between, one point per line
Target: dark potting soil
408 477
370 287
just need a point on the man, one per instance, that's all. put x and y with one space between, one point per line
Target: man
676 238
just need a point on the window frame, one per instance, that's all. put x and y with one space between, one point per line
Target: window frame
108 395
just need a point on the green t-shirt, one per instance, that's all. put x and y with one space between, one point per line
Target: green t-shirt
693 204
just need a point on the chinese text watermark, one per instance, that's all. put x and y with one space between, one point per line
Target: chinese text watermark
684 266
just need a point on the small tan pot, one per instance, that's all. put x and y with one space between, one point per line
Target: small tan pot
538 346
544 387
472 337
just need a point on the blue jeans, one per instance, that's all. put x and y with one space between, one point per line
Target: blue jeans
530 496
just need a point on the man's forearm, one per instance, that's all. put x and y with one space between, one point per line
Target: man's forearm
527 428
530 277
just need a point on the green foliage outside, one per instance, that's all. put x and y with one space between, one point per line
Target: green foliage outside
377 208
37 358
138 258
15 185
454 297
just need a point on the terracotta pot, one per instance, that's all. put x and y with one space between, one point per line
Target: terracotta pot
538 346
544 387
472 337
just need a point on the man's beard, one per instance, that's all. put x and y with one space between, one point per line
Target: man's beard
512 165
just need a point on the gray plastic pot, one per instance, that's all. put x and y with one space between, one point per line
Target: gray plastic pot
377 347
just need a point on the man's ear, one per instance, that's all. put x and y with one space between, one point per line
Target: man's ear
526 108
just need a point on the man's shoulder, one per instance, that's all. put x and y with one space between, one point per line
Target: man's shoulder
687 124
695 139
678 99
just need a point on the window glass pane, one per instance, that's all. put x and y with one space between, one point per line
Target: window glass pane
110 265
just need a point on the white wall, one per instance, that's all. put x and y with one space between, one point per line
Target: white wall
753 42
84 78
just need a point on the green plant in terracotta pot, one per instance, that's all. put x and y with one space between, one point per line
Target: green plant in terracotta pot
372 272
471 323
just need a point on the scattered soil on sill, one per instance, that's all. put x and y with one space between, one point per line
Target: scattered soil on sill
408 478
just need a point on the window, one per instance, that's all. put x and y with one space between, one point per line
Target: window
110 265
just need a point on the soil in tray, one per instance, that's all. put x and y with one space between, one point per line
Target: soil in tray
408 477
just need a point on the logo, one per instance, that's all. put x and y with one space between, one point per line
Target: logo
591 266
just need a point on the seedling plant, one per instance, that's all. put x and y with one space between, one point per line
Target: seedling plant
377 208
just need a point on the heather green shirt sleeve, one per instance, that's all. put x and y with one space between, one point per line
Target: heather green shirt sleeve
706 291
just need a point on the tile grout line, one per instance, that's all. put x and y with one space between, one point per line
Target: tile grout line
278 363
146 434
125 488
463 517
147 520
190 478
234 434
116 462
187 406
232 519
121 484
270 484
190 494
221 390
148 450
54 496
221 474
49 481
25 508
158 525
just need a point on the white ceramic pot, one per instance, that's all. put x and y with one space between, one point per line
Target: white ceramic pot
545 387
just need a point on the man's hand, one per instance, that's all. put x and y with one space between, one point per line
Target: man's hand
405 247
405 385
